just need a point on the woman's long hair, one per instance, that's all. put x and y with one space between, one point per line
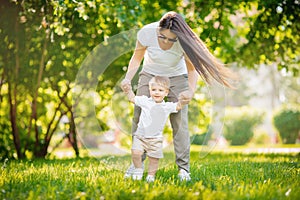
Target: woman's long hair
204 62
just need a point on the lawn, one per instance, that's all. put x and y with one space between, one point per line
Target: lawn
214 176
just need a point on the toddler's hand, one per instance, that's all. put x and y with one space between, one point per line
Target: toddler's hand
185 97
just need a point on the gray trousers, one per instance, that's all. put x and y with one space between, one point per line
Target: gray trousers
179 120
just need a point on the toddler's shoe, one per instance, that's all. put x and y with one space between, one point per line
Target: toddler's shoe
150 178
137 174
184 175
130 170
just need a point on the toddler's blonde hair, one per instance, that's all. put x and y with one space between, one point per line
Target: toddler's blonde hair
160 80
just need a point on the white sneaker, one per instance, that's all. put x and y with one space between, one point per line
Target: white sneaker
130 170
137 174
150 178
184 175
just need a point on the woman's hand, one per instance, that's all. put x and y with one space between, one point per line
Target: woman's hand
126 85
185 97
127 89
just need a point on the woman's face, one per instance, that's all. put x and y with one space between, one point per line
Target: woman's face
166 38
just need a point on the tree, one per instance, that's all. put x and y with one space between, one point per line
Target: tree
26 37
40 59
287 122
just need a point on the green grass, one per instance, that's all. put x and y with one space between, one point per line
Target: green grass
215 176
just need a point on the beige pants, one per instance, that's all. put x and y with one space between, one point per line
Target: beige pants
151 146
179 121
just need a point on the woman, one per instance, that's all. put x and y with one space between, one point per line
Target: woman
170 48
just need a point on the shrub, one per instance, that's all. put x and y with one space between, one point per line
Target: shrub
200 139
287 122
239 124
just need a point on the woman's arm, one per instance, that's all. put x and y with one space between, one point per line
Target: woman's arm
133 66
135 60
186 96
192 75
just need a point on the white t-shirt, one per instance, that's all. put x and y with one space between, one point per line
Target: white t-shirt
153 116
158 61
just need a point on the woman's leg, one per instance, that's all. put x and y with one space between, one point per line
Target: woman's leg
179 122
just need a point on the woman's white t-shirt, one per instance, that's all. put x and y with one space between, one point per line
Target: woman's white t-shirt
158 61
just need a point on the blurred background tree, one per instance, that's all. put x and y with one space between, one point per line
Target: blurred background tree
240 123
45 42
287 122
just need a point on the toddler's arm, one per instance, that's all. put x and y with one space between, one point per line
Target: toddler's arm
179 106
130 96
127 89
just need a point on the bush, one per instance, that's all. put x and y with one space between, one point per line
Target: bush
200 139
239 124
287 122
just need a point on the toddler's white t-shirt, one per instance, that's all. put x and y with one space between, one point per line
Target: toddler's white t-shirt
153 116
158 61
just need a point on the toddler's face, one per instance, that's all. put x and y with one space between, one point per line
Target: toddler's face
158 92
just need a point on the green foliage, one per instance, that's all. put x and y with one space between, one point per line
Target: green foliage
272 34
258 31
287 122
211 20
200 139
6 143
217 176
239 124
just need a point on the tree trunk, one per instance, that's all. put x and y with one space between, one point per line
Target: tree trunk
1 84
13 120
74 134
39 149
12 96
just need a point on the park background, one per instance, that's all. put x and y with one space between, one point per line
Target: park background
45 43
51 148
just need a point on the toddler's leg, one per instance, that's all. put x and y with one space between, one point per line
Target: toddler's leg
137 173
153 166
136 158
